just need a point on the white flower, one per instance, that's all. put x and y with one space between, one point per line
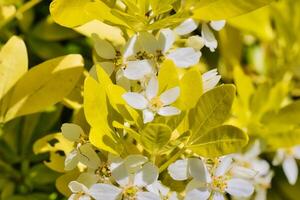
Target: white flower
207 183
83 151
210 79
287 157
186 27
151 103
255 169
208 36
133 175
122 60
160 49
96 191
162 191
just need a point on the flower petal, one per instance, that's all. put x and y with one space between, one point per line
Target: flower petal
217 25
184 57
243 172
239 188
71 131
218 196
224 166
166 39
152 88
198 193
147 42
296 151
120 173
146 176
135 162
129 48
196 42
147 196
158 188
85 197
197 169
77 187
209 38
168 111
179 170
148 116
103 48
135 100
88 156
108 67
105 191
290 169
279 157
170 96
210 79
137 70
71 160
186 27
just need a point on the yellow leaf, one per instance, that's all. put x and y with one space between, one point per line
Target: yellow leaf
43 86
96 112
224 9
13 64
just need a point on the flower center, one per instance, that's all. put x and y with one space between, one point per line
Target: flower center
129 193
156 104
103 171
219 183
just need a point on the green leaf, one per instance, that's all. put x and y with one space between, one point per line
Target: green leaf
224 9
219 141
49 31
43 86
212 109
155 136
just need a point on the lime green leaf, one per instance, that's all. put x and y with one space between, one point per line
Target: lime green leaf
96 112
33 94
219 141
190 89
257 23
244 86
283 139
160 7
13 64
167 76
224 9
288 115
212 109
155 136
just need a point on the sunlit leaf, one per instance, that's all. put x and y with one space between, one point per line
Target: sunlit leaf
219 141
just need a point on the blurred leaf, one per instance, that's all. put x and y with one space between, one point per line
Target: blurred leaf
257 22
224 9
13 65
49 31
32 94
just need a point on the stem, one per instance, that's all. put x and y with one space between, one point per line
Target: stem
27 6
171 160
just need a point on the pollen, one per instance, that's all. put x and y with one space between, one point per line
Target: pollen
156 104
